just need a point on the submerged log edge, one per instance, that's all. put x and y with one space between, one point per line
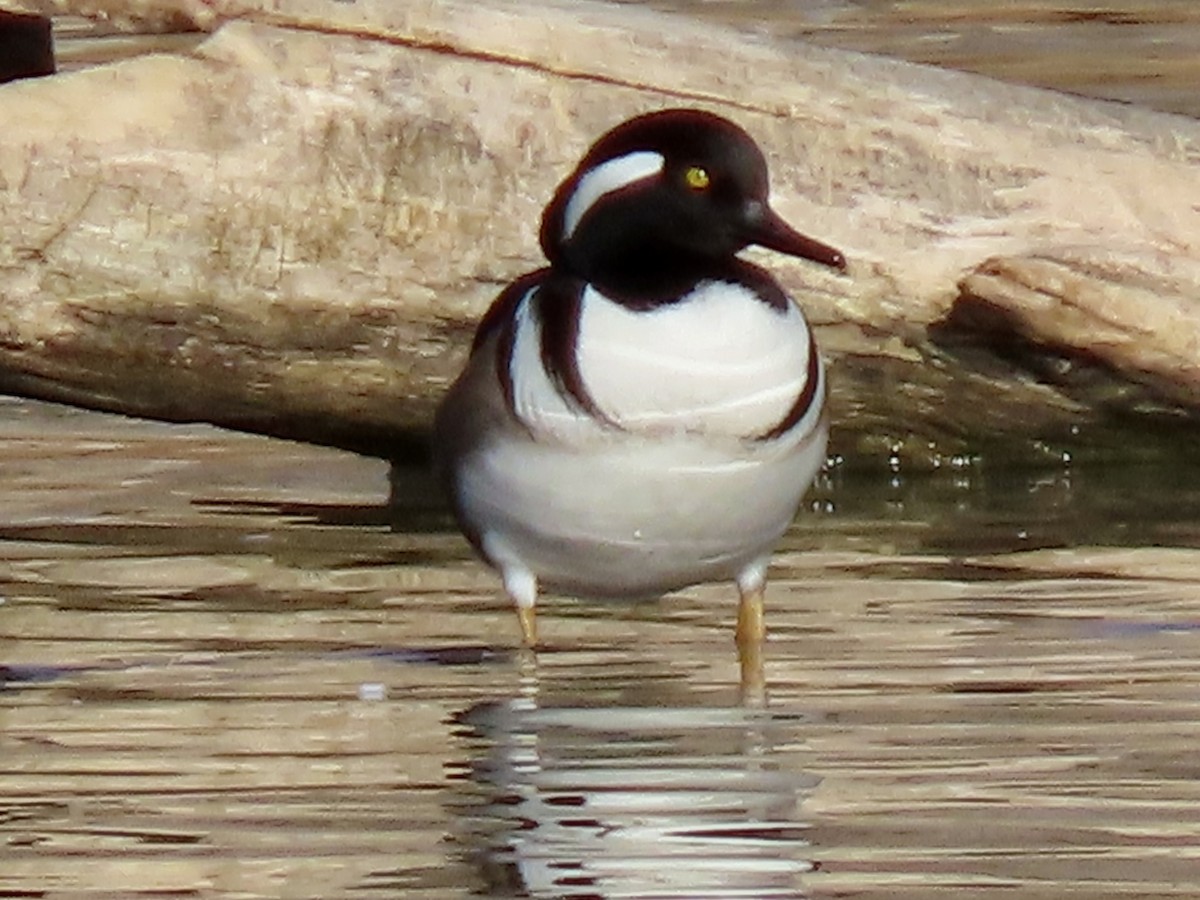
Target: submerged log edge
293 229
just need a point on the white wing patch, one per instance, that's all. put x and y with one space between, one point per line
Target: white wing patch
718 362
606 178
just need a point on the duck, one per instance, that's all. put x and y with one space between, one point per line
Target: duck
646 411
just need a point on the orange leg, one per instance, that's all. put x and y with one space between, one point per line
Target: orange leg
521 586
527 615
751 635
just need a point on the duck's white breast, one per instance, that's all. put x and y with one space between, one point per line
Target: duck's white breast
719 361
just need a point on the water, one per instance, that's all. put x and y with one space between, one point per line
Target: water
226 676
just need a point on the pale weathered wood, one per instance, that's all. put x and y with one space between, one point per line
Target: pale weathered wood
293 230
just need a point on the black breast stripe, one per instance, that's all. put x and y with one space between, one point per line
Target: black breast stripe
557 302
501 317
804 400
500 313
559 306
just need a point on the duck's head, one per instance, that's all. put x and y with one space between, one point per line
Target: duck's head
674 189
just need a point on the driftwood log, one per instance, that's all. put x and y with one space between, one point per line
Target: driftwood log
292 228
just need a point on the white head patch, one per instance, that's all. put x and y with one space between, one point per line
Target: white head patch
606 178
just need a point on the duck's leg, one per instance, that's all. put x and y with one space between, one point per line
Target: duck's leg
752 631
527 616
751 582
521 586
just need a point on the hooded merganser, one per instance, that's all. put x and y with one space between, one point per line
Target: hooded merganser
646 412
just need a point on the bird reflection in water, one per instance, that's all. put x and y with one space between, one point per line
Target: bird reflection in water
634 801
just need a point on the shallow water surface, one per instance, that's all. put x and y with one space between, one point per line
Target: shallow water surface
225 675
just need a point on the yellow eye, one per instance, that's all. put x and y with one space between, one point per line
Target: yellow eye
696 178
